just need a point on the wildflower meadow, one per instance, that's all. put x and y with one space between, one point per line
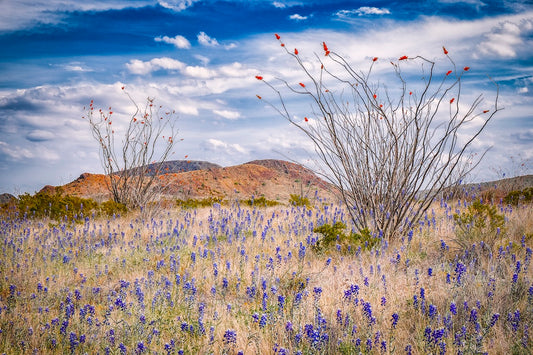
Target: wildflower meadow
232 278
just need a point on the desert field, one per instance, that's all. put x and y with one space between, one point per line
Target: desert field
229 279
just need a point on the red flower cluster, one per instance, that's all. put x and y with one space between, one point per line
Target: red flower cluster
325 48
403 57
444 49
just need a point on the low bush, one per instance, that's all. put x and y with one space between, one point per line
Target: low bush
335 236
58 206
297 200
479 223
260 202
516 196
192 203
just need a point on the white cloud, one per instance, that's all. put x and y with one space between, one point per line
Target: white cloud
15 15
177 5
362 11
15 153
39 135
178 41
298 17
228 148
199 72
139 67
279 5
230 115
505 39
205 40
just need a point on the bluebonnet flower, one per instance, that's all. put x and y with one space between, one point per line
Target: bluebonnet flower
453 308
317 291
460 270
430 272
494 319
281 302
514 319
473 315
432 311
395 318
288 327
230 337
263 321
140 348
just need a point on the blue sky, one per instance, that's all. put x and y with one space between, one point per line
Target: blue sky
200 57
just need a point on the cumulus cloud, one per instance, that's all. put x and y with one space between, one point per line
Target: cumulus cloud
505 39
140 67
15 153
205 40
228 148
230 115
362 11
178 41
177 5
298 17
199 72
279 5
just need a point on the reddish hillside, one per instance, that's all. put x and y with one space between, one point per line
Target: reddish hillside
273 179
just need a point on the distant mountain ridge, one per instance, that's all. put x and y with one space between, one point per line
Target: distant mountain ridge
184 179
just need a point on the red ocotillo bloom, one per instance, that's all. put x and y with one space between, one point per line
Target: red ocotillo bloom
374 59
306 119
444 50
466 68
403 57
452 100
295 51
448 73
277 36
302 85
259 77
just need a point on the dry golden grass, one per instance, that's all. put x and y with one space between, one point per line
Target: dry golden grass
230 251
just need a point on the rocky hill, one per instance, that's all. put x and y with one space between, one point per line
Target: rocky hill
273 179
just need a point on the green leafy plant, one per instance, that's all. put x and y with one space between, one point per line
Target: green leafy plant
335 236
55 205
192 203
110 208
516 196
480 222
298 200
260 202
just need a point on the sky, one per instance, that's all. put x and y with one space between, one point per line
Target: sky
200 58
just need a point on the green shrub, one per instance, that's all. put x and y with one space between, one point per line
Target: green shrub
110 208
297 200
194 203
480 222
514 197
55 205
334 236
260 202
